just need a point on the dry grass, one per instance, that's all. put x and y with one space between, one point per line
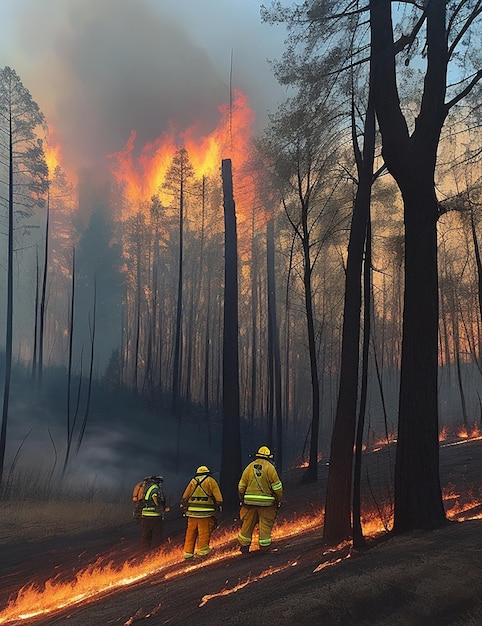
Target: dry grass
35 520
420 578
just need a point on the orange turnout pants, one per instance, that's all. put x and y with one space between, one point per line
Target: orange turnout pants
198 530
264 516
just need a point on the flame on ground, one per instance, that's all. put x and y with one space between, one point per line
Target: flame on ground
446 437
245 583
100 579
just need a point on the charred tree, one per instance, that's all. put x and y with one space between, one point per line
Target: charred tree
254 323
231 439
358 539
43 298
70 422
478 262
177 177
26 181
274 344
338 518
411 159
36 316
9 326
85 418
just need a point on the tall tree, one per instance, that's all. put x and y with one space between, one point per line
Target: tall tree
438 31
25 176
70 421
337 524
444 39
274 343
306 132
231 447
43 298
177 177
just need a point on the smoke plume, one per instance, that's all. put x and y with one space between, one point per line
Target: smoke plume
101 69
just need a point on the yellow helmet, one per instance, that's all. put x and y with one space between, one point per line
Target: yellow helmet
264 452
202 469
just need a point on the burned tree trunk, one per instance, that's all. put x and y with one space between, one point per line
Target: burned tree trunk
338 522
43 298
274 347
231 441
411 160
70 422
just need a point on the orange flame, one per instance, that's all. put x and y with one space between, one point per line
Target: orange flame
444 433
100 579
142 175
53 151
469 432
245 583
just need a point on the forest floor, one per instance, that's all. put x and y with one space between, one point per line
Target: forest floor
419 578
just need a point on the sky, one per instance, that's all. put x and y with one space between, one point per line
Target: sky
100 69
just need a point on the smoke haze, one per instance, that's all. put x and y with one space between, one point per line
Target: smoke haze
99 70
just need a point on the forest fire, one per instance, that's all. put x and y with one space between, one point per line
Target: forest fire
142 175
53 151
100 579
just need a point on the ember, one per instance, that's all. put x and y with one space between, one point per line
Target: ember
248 581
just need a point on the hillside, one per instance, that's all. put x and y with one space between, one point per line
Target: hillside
420 578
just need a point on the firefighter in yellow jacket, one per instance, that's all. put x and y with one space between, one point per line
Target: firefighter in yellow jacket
202 499
260 494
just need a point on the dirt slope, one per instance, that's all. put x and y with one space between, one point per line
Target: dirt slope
421 578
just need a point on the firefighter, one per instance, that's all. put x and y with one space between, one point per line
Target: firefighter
260 494
152 514
201 500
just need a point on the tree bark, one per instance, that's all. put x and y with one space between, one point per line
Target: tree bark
9 325
43 299
411 161
274 344
231 446
338 519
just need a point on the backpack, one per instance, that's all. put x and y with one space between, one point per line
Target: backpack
138 494
139 490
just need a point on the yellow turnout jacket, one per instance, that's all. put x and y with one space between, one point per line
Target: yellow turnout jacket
260 484
203 496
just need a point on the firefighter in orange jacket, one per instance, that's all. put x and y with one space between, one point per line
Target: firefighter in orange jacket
202 498
260 493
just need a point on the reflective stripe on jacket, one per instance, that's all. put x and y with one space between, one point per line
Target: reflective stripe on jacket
260 484
203 496
153 502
